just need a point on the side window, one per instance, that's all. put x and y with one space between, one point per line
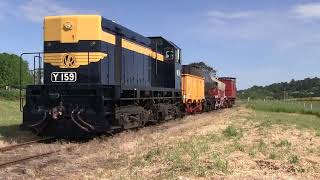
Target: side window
169 54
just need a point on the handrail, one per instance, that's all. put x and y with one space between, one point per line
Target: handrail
20 73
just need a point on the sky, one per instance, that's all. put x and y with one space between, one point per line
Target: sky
258 42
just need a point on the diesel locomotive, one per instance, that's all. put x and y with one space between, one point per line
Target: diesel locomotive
99 77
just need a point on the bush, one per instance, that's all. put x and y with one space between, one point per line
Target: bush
10 71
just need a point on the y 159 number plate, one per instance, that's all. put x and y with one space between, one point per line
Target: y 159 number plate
63 77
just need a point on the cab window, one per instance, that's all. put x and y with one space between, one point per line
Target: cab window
169 54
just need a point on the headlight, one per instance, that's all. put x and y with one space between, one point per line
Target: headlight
67 26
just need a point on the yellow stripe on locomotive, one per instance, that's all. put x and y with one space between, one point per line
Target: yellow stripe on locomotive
141 49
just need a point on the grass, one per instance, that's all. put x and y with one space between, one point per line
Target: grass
270 113
12 95
267 119
10 113
318 132
10 117
294 159
194 158
275 112
300 107
273 156
231 131
284 143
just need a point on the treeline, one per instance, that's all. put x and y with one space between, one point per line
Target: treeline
309 87
10 72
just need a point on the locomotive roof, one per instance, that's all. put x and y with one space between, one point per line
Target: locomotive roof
127 33
114 27
169 42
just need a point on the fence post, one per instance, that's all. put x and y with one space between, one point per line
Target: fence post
311 106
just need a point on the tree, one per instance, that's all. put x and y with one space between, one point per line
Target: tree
204 67
10 71
309 87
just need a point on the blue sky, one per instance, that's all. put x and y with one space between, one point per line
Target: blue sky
259 42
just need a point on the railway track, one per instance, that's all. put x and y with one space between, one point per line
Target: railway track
12 147
23 159
31 157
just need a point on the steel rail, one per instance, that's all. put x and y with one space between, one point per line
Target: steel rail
17 161
8 148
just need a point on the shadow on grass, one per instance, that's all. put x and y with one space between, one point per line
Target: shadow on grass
13 133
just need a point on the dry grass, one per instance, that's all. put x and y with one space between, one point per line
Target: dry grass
225 144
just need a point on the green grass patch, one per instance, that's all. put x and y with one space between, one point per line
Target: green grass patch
273 155
152 154
231 131
318 132
284 143
267 119
10 117
300 107
194 157
262 146
10 95
253 152
293 159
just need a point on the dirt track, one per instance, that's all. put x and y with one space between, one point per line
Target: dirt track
126 155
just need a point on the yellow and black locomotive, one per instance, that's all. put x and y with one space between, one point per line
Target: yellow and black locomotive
100 76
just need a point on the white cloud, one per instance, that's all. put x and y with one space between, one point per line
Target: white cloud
230 16
36 10
307 11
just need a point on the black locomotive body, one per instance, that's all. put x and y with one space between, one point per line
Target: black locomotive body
100 76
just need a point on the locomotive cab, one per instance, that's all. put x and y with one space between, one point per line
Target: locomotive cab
172 56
